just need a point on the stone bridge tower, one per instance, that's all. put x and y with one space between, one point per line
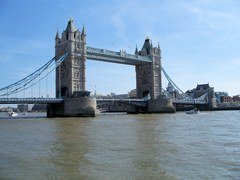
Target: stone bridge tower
70 76
148 75
149 80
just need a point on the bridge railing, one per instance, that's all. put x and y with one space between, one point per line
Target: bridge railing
29 100
128 100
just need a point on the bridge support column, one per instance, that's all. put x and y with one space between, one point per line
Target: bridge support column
73 107
162 105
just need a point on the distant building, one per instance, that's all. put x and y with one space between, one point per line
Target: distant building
190 93
219 95
236 98
39 107
171 91
120 96
133 94
200 90
24 107
7 109
112 96
226 99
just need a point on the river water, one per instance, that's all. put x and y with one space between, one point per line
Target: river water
121 146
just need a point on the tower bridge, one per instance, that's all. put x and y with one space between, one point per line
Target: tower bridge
72 99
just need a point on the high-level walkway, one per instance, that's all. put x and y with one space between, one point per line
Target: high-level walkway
116 57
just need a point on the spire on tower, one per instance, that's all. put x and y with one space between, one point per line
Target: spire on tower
70 26
83 31
57 35
136 50
83 35
147 48
158 46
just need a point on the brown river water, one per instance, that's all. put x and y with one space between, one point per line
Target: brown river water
121 146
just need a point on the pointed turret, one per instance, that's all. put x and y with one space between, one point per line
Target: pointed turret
158 46
152 49
147 47
159 49
70 35
83 34
83 31
57 38
57 35
70 27
136 50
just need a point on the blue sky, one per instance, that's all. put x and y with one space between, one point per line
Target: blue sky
199 39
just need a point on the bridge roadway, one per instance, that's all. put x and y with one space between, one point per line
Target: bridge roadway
29 100
144 101
134 102
120 57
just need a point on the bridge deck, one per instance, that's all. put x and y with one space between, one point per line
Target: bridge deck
175 101
131 102
29 100
189 102
121 100
58 100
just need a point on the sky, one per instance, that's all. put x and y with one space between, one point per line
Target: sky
199 39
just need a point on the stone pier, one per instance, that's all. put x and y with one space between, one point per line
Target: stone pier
73 107
162 105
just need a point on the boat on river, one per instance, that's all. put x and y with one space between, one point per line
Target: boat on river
12 114
193 111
